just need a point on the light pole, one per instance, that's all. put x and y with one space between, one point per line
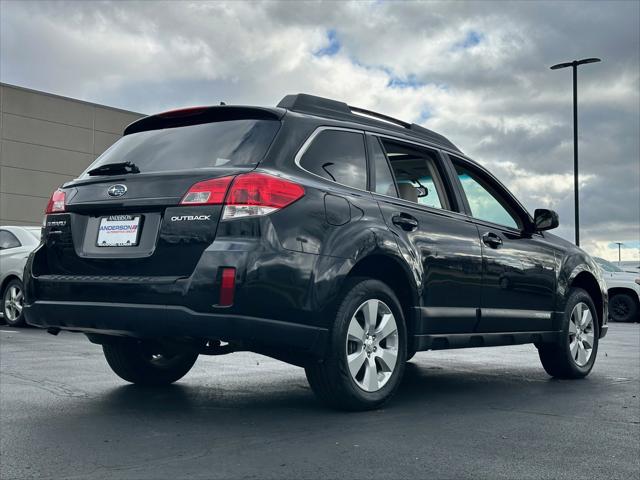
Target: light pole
575 64
619 245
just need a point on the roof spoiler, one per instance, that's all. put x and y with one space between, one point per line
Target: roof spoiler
311 104
200 115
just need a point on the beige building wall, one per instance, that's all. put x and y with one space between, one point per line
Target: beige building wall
45 141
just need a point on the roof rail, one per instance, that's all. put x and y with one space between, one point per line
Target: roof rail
311 104
379 116
303 102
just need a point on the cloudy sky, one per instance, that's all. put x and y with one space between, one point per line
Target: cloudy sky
474 71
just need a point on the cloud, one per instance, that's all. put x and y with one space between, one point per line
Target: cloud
475 71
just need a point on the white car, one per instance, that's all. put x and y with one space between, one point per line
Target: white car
624 292
16 243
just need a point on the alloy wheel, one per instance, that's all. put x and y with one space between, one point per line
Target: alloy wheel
581 334
13 303
372 345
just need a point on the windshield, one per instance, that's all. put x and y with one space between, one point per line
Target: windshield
219 144
607 266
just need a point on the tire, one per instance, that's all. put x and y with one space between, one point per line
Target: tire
569 357
144 363
372 345
12 302
623 308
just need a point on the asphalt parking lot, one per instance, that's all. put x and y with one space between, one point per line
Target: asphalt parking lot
482 413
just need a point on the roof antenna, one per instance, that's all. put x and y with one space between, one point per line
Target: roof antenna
222 103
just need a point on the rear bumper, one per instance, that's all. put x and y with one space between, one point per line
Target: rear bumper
154 321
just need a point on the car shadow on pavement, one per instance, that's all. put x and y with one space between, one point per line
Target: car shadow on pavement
422 384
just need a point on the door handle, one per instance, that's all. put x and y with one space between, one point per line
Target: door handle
405 222
492 240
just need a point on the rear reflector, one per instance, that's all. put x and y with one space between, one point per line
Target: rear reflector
227 287
56 202
208 192
255 194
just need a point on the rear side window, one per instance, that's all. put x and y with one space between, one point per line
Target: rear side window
219 144
8 240
338 156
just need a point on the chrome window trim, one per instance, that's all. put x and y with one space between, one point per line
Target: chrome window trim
305 146
438 151
464 158
307 143
424 144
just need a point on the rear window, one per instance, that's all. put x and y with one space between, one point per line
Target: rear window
220 144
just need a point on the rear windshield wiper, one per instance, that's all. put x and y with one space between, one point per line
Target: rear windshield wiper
114 169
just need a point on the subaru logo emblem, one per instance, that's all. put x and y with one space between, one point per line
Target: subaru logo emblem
117 190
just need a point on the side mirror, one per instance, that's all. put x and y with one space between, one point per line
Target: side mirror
545 219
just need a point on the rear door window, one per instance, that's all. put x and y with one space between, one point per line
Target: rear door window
219 144
416 174
339 156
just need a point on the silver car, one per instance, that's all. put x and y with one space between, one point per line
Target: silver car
16 243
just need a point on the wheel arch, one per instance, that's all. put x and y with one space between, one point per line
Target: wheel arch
6 281
588 282
391 272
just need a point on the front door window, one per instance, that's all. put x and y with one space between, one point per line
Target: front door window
484 204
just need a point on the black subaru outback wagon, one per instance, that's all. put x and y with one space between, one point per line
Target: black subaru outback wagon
327 236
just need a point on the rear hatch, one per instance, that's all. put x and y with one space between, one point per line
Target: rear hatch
138 211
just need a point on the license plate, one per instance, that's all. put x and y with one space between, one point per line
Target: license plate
119 231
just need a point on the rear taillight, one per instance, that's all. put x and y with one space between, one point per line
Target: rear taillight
208 192
250 194
56 202
254 194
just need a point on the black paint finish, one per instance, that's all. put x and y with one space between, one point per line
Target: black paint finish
463 282
444 253
519 274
